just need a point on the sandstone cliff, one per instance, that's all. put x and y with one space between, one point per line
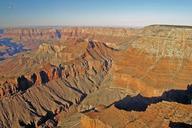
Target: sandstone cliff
161 115
85 67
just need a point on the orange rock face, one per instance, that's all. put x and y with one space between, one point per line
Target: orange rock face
87 122
160 115
92 66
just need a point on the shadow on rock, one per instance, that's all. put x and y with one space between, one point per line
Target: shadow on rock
48 121
44 77
33 78
49 115
179 125
140 103
23 83
24 125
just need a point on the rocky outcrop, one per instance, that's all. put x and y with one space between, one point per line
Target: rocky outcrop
165 111
87 122
157 115
85 67
31 36
80 77
157 59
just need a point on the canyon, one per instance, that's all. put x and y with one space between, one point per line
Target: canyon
97 77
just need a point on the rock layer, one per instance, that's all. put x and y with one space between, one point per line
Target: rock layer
85 67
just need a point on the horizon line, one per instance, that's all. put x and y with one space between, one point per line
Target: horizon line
94 26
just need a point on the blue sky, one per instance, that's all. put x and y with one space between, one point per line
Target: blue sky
14 13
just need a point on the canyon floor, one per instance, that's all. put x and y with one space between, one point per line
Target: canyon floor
96 77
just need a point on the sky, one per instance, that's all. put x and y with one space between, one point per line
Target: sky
16 13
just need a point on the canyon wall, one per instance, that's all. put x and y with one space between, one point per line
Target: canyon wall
85 67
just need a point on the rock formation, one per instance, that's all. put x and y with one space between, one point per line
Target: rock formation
89 69
161 115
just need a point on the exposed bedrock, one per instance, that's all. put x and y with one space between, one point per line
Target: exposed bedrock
54 87
90 68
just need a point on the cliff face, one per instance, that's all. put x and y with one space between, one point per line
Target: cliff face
87 122
53 34
84 67
53 61
158 58
48 86
161 115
